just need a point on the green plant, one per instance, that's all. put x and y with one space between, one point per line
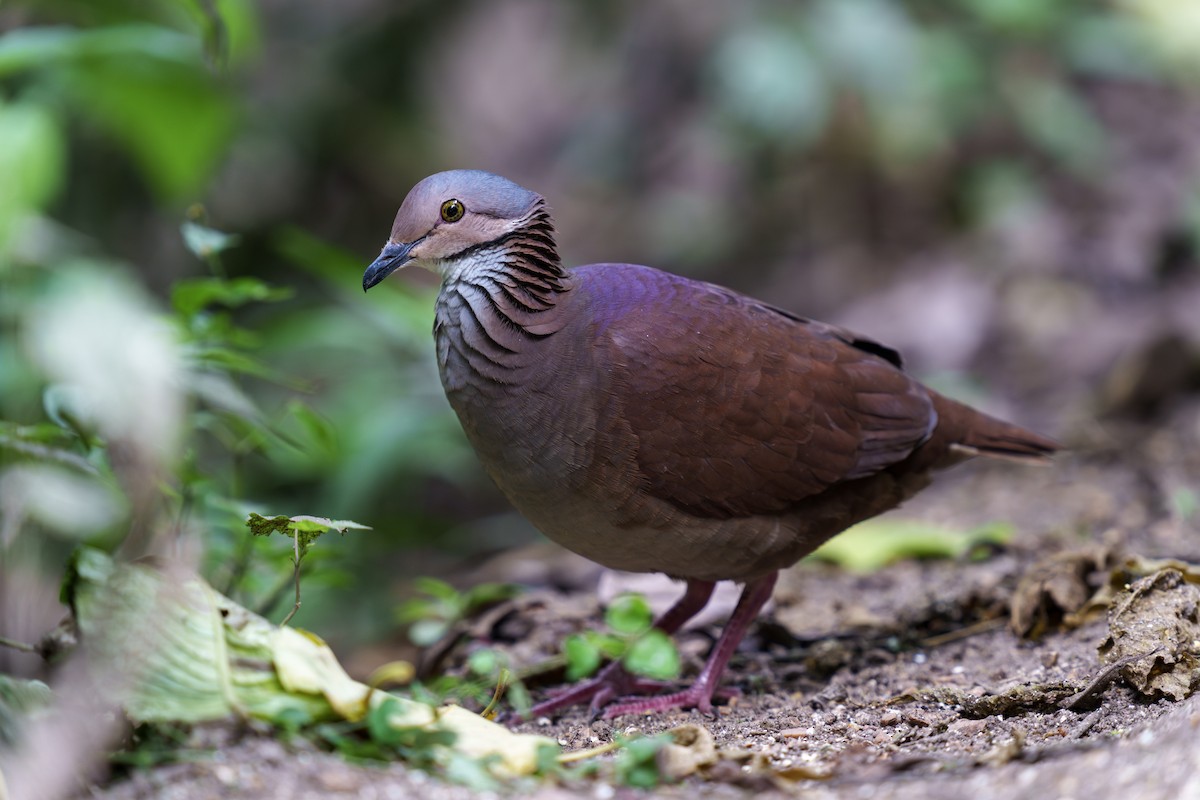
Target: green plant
440 606
631 639
636 763
303 531
376 739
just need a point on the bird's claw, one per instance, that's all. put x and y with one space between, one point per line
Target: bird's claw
696 696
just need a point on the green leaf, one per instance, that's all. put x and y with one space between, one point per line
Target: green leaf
191 296
873 544
306 523
229 29
18 698
34 47
318 257
654 656
303 528
265 526
188 654
629 614
472 772
487 594
436 588
319 433
227 360
43 442
518 697
64 501
484 662
416 608
379 727
583 656
425 632
174 119
636 763
67 406
205 242
32 163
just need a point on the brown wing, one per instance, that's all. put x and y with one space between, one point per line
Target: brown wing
741 409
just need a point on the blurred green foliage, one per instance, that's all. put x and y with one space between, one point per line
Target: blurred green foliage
189 191
644 650
437 606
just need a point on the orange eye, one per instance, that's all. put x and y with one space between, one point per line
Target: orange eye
453 210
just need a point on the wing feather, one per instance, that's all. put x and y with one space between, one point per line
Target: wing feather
740 409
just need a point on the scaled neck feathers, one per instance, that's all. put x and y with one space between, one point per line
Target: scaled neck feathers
531 254
508 285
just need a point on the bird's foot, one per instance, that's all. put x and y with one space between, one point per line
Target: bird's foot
698 696
613 681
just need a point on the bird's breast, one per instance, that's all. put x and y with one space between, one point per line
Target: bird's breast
521 398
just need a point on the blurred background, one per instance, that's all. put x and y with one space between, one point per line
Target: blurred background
1006 190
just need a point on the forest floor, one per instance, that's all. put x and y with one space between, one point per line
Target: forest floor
906 682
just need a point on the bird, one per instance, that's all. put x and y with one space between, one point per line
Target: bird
655 423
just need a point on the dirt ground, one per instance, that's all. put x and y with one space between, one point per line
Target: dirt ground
902 683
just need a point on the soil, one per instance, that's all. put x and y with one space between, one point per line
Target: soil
906 682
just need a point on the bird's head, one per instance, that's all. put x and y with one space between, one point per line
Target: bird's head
449 215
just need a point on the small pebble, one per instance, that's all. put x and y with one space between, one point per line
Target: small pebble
968 727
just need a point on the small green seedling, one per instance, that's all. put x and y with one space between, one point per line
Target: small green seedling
303 531
631 639
440 606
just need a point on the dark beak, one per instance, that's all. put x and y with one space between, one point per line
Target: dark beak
391 258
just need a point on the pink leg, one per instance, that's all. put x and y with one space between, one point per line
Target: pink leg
699 695
614 680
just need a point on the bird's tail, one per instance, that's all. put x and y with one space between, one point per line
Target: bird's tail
965 432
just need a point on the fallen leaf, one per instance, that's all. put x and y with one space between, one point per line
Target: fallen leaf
1006 751
1160 613
194 655
1054 589
691 748
871 545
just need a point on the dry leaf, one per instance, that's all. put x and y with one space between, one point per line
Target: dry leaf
1161 613
200 656
692 748
1053 590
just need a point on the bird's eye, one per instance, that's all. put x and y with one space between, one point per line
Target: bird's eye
453 210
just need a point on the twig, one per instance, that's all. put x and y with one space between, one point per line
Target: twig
1088 723
591 752
15 645
1101 681
295 577
983 626
501 686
